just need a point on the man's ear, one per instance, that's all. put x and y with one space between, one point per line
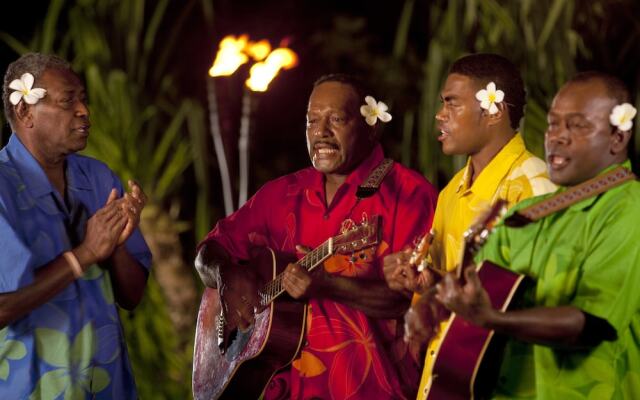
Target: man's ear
619 141
23 114
494 119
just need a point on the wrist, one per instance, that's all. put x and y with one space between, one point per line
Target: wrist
84 256
489 318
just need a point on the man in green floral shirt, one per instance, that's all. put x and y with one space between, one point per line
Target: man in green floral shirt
578 334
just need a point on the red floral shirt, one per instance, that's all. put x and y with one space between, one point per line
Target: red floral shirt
347 355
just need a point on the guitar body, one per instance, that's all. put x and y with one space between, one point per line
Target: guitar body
254 356
468 360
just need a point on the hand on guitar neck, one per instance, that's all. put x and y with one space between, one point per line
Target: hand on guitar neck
459 291
300 283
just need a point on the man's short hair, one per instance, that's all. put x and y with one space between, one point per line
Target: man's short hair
485 68
356 83
616 88
35 64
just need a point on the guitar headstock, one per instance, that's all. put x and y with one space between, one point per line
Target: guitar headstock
359 237
476 236
421 251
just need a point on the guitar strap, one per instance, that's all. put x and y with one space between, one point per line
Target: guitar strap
373 181
560 201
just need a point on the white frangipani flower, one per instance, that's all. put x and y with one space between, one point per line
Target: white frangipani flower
372 111
489 97
23 90
622 116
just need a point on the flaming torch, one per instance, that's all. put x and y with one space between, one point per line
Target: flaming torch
234 52
261 74
228 59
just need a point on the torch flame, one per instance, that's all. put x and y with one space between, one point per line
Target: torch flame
258 50
262 73
230 56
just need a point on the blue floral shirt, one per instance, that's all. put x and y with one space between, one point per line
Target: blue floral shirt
73 346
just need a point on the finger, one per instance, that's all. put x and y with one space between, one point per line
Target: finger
112 196
109 212
471 275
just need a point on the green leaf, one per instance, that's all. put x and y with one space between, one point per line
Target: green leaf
51 385
14 43
601 391
52 346
551 21
4 369
84 347
99 379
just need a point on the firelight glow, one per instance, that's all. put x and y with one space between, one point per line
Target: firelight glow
262 73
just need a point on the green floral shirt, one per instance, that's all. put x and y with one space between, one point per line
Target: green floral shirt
587 256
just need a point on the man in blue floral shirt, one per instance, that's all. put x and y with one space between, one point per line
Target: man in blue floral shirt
70 249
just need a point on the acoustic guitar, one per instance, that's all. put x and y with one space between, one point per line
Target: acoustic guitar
242 366
467 363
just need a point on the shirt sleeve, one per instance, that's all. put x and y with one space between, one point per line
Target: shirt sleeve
16 270
610 275
245 228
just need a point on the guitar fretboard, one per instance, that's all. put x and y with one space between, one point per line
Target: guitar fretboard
311 260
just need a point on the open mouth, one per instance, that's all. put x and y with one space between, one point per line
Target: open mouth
443 135
556 161
83 129
325 148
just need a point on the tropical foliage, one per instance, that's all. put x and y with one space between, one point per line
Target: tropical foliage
139 126
145 127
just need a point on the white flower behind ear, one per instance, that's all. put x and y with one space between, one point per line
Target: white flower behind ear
489 97
372 111
23 90
622 116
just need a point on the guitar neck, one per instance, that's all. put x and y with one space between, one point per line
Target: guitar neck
310 261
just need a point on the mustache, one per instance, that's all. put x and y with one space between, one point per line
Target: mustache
331 143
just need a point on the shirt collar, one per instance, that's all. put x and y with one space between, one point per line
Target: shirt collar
76 177
358 175
490 177
33 175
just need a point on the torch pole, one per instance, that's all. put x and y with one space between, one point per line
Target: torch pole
243 147
214 124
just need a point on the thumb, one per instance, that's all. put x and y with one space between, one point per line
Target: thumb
112 196
471 275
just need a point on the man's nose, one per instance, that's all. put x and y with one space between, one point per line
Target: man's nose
323 128
82 110
560 135
440 115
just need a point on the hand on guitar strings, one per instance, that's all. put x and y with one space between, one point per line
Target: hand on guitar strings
469 300
240 301
421 322
301 284
402 276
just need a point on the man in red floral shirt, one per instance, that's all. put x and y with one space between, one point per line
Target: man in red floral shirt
353 346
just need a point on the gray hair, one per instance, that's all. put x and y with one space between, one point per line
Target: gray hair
35 64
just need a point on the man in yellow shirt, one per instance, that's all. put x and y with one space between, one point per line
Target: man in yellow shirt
482 103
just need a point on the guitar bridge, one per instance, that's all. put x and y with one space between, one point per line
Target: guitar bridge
220 332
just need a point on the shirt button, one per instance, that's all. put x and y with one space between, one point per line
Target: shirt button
326 216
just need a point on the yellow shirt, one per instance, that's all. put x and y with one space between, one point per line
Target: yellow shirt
513 174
